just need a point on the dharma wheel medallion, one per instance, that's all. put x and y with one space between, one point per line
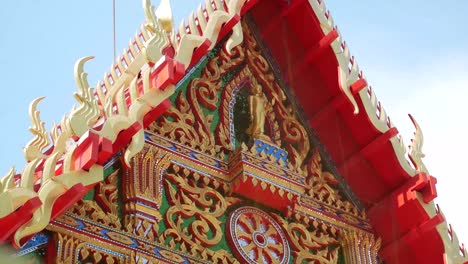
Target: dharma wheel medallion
256 237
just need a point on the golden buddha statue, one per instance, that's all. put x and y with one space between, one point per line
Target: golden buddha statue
258 107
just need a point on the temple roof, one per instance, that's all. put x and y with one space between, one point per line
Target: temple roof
396 188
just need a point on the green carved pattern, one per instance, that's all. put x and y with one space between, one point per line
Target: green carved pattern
89 195
162 226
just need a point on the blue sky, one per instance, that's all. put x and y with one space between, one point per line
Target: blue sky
414 54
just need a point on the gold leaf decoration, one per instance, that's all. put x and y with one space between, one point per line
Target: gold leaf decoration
321 184
104 208
200 204
310 246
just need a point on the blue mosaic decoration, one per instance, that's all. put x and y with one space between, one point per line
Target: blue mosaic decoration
270 150
105 250
120 238
37 241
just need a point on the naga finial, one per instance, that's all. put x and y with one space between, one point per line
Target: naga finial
415 149
34 148
8 180
88 111
162 15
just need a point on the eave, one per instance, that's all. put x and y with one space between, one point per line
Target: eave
344 113
355 130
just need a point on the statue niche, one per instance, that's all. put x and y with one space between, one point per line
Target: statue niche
251 114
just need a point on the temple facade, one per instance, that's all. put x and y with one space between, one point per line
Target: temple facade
248 135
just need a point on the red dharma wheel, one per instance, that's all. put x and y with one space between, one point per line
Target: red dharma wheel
256 237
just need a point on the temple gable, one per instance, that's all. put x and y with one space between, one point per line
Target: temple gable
228 174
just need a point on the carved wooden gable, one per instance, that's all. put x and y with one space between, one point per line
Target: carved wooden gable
228 174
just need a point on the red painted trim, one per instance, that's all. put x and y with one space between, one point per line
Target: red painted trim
70 197
87 151
327 110
248 5
226 28
357 86
369 149
400 212
291 7
372 166
125 136
51 251
156 112
314 53
412 236
199 52
273 26
105 150
10 223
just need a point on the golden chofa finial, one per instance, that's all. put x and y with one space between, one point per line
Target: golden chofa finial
163 15
34 148
416 154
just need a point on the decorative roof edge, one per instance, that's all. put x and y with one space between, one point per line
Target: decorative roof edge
133 94
353 82
130 97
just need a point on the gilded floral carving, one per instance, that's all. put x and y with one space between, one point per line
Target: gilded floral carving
192 220
312 243
103 208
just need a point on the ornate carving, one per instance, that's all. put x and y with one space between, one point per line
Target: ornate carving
143 179
192 220
210 22
103 209
143 191
320 184
88 112
224 133
257 237
360 247
416 155
67 248
82 119
162 17
192 117
106 195
51 189
138 258
36 146
314 243
189 123
89 254
197 202
294 137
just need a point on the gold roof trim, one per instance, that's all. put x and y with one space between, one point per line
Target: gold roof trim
106 106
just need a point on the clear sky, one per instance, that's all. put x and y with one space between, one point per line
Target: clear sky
414 54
